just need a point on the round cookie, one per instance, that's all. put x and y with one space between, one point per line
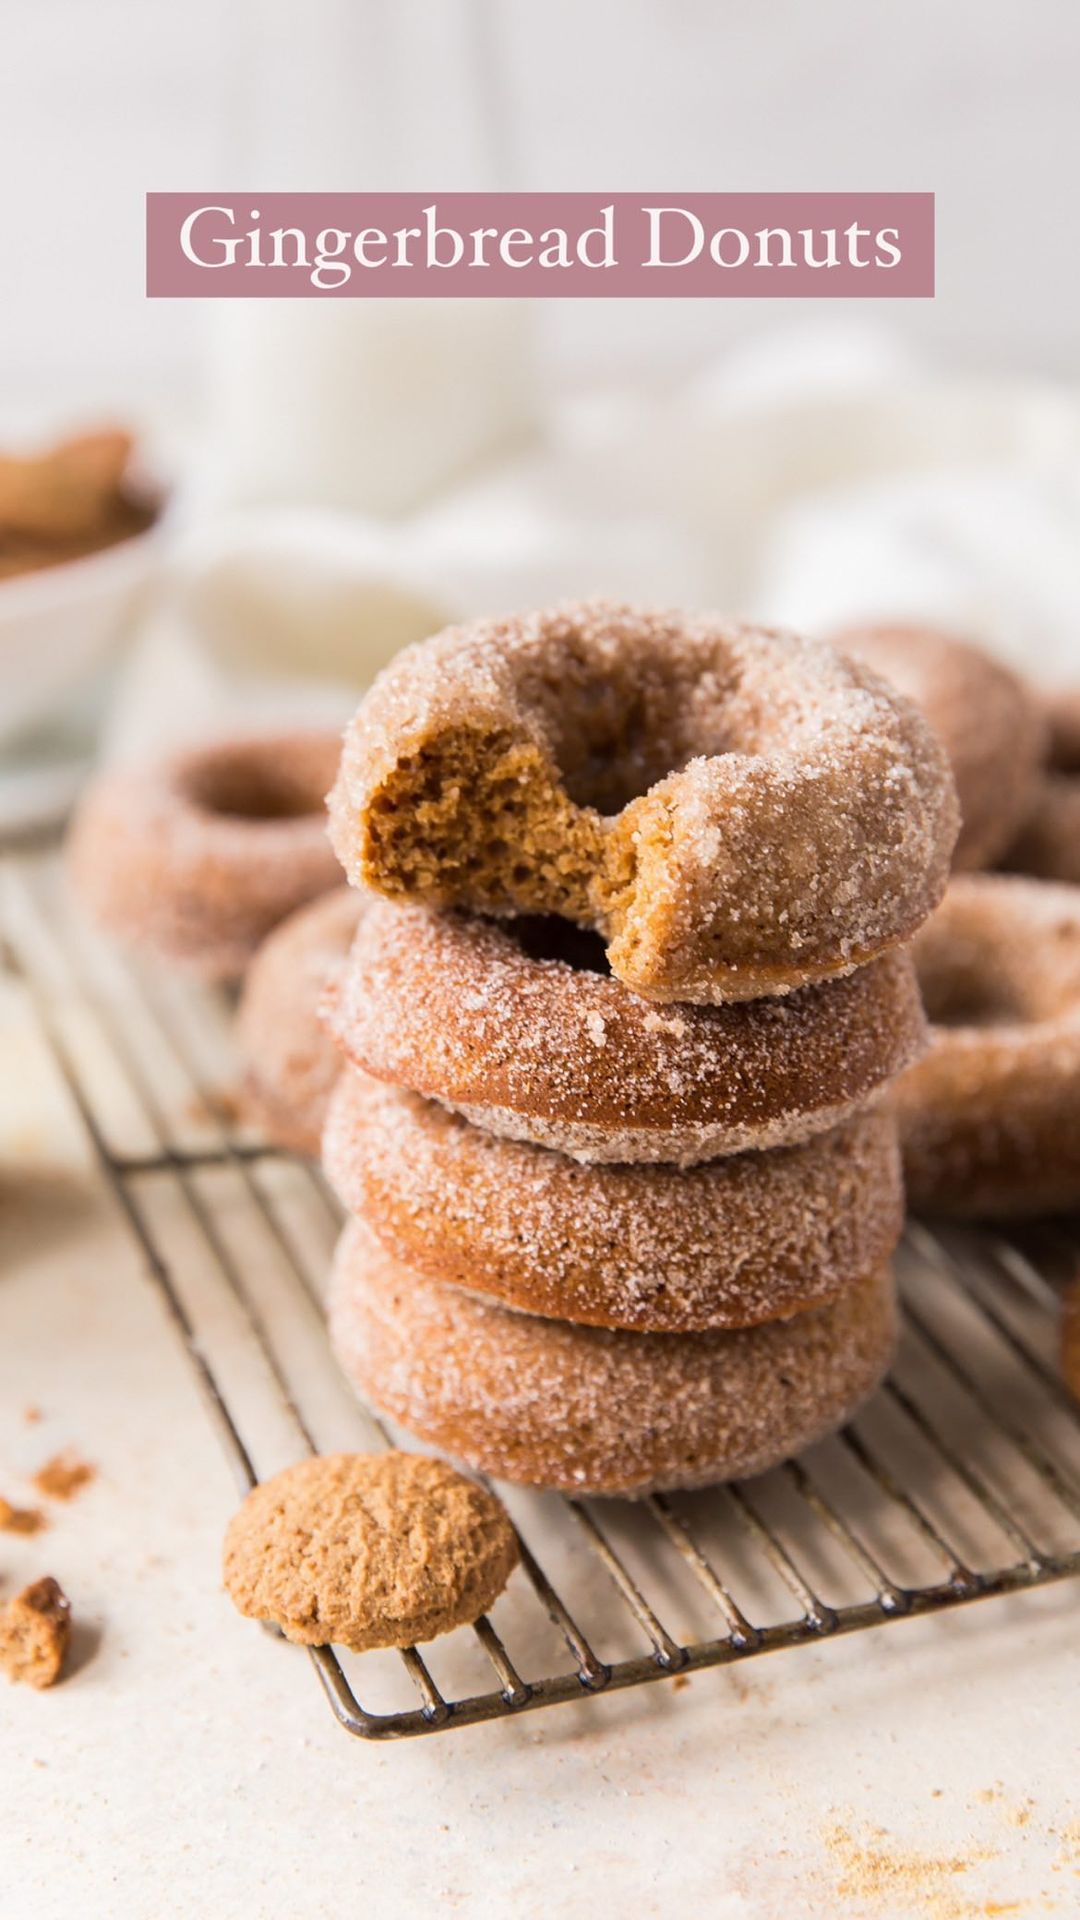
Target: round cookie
737 811
368 1550
1048 844
589 1410
486 1017
990 1118
985 717
291 1063
195 858
727 1244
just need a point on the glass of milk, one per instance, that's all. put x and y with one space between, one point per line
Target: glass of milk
369 405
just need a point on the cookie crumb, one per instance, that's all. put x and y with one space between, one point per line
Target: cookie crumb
62 1477
35 1628
20 1519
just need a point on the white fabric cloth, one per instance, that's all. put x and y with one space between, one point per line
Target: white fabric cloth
814 478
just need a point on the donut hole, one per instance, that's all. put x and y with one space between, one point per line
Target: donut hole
254 793
620 720
246 788
548 937
967 991
1064 756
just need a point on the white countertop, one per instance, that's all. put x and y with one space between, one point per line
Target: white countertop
189 1764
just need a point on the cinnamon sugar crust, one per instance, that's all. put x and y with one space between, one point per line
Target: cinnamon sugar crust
291 1062
590 1410
988 721
990 1118
487 1018
736 811
196 858
729 1244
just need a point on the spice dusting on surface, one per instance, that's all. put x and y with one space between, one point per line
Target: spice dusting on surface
62 1477
881 1876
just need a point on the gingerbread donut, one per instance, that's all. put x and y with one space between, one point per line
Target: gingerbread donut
589 1410
990 1118
488 1018
1048 843
738 812
291 1062
197 858
987 720
728 1244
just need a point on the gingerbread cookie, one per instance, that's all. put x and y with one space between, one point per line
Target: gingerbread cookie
368 1550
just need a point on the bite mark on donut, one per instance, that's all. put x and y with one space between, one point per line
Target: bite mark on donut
486 816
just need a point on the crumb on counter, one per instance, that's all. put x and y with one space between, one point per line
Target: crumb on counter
35 1629
63 1476
20 1519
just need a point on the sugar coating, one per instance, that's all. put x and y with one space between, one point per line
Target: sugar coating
988 721
368 1550
738 1241
1048 843
591 1410
291 1062
456 1009
990 1118
737 811
196 857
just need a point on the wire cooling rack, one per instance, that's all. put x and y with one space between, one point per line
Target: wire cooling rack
960 1480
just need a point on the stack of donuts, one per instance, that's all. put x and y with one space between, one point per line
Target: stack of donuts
626 996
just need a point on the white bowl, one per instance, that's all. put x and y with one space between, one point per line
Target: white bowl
58 625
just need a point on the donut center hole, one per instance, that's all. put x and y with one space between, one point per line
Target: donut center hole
1065 752
615 735
253 793
545 936
969 996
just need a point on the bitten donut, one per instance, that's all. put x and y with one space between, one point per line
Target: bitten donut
195 859
990 1118
987 720
1048 843
488 1018
291 1063
728 1244
589 1410
738 812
